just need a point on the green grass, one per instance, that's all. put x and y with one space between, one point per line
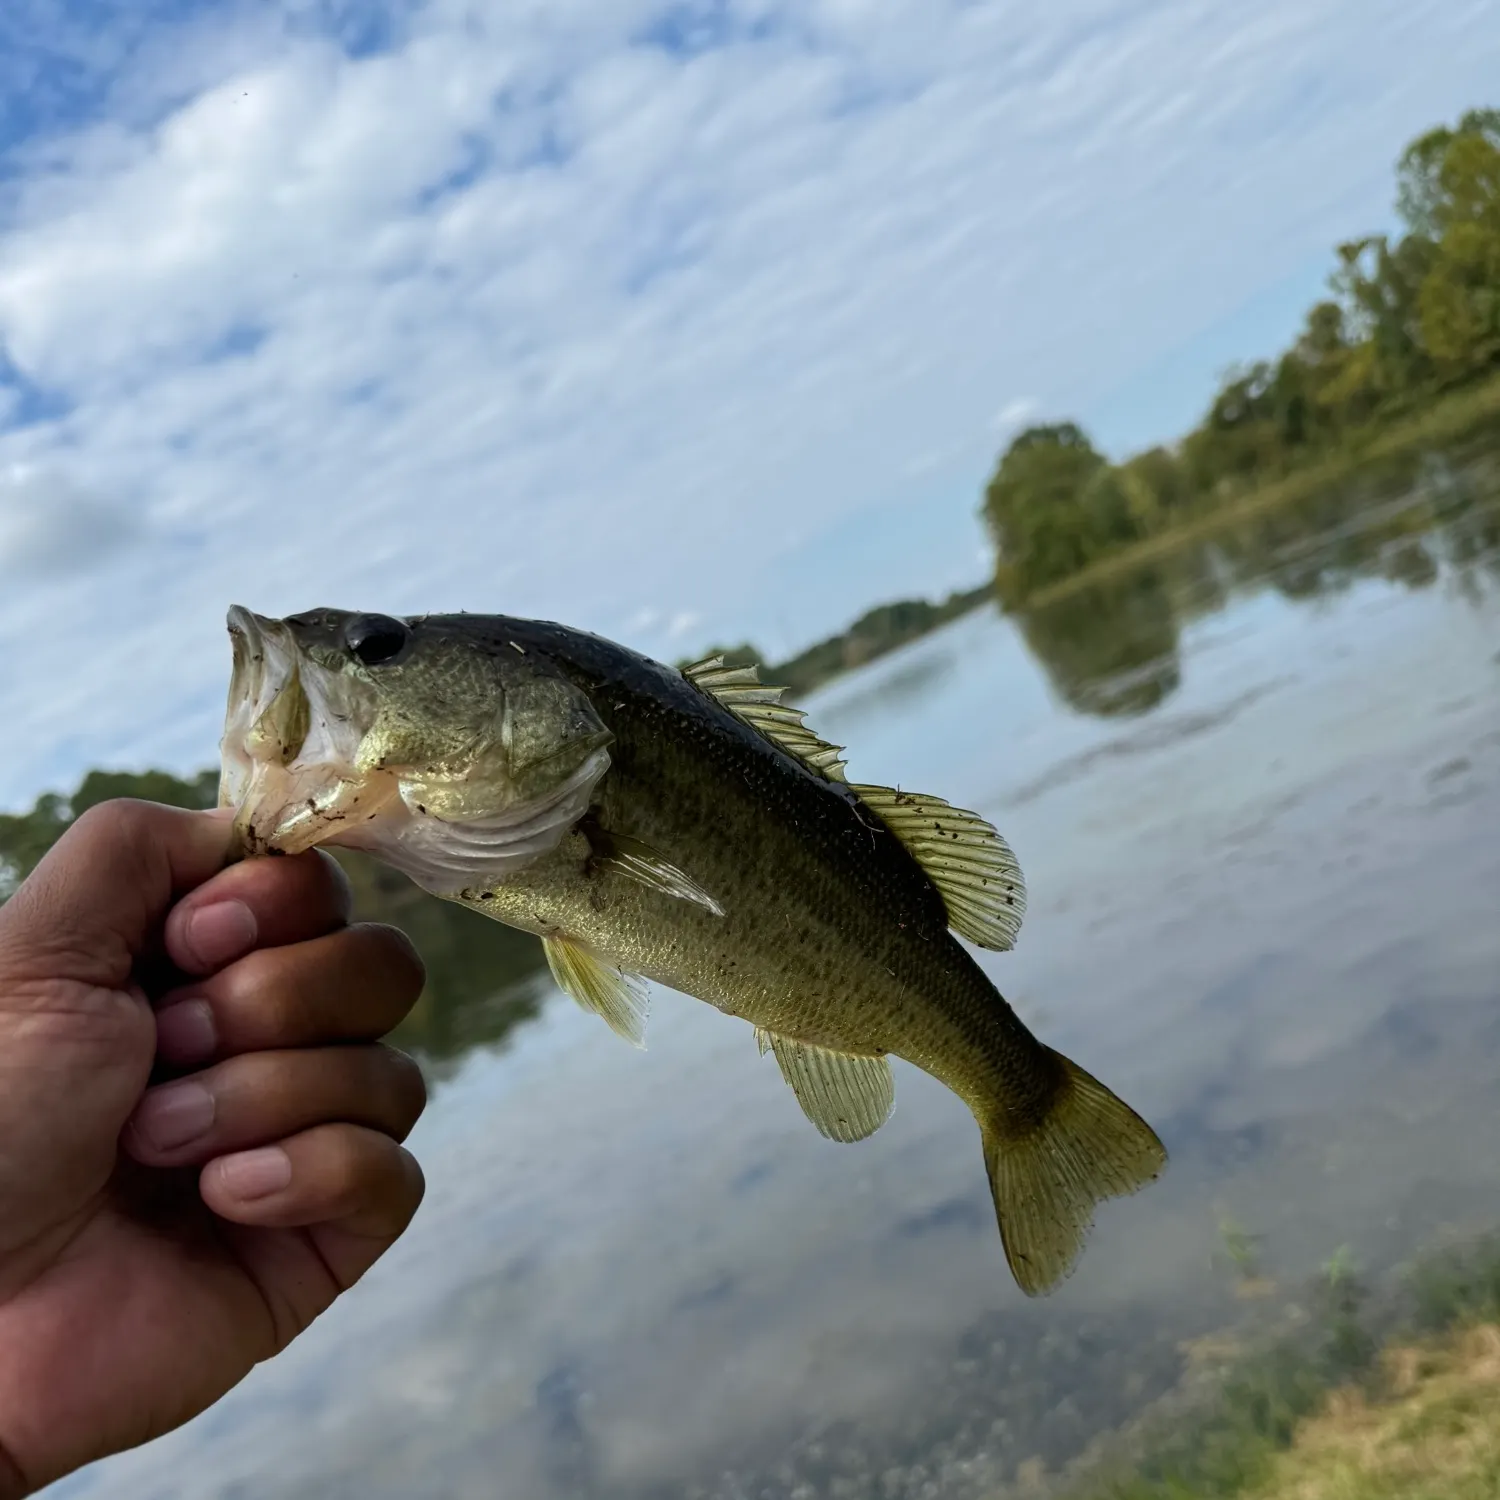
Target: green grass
1433 1434
1399 1402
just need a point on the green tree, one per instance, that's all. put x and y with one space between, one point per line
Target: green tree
1410 315
1420 192
1380 286
1053 506
1243 435
1156 489
1459 302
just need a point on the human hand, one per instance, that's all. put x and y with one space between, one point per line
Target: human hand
157 1243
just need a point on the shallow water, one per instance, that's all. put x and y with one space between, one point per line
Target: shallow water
1257 805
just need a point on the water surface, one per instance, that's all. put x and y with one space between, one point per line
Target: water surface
1256 792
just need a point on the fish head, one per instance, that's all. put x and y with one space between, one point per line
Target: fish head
454 761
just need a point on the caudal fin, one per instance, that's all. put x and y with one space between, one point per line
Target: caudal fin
1091 1146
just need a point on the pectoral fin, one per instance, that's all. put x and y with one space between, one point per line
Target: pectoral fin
639 861
618 997
846 1096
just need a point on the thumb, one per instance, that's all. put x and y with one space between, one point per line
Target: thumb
97 900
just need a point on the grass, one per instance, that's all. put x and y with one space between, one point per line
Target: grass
1434 1433
1389 1398
1450 418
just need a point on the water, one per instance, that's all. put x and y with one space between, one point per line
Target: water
1255 791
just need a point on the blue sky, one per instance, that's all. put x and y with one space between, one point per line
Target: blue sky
679 322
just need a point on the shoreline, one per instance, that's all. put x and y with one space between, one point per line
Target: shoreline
1448 419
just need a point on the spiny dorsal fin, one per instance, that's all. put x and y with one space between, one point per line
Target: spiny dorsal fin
965 858
845 1096
618 997
741 691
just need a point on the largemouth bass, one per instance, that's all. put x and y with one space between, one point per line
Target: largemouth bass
689 828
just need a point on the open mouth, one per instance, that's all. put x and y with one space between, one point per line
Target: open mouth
290 746
292 769
265 668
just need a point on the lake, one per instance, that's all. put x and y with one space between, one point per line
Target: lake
1255 789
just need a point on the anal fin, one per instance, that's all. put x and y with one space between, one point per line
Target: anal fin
846 1096
599 987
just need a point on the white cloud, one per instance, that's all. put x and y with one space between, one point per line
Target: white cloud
523 314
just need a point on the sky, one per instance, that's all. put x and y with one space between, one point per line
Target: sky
679 322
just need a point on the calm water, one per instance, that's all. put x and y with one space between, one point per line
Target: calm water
1256 792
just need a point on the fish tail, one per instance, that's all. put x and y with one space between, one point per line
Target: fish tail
1089 1146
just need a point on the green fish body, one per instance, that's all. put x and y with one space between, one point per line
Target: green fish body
688 828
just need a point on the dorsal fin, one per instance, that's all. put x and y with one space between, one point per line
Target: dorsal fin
965 858
740 690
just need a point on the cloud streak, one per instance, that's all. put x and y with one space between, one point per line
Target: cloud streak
48 528
590 309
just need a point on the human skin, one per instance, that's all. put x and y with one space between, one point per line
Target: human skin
199 1130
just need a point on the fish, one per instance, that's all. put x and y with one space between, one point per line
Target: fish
687 827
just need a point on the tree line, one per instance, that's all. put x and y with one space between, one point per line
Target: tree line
1411 317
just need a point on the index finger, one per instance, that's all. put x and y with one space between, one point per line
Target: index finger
265 902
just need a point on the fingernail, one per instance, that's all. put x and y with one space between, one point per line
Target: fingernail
173 1115
220 933
185 1032
256 1174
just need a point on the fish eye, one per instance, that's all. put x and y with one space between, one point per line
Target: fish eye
375 639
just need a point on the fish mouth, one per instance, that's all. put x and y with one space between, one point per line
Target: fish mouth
290 746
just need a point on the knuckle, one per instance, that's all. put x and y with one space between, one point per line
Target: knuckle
125 830
118 818
407 1089
346 1174
261 993
400 965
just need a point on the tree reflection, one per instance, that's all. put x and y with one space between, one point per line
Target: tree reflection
1109 649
